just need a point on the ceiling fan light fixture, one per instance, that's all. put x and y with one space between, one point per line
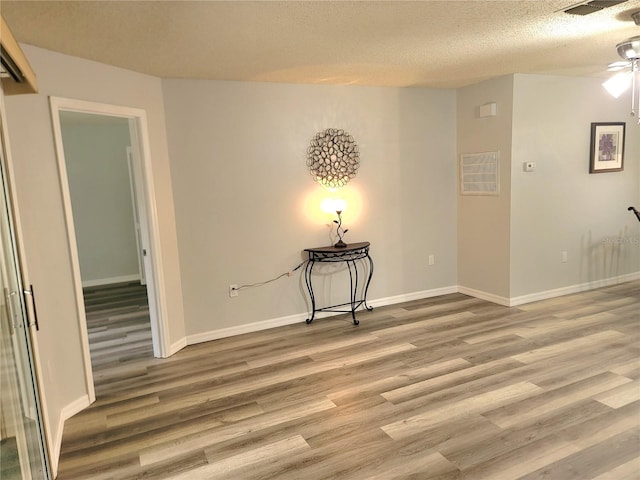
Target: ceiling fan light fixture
618 84
630 48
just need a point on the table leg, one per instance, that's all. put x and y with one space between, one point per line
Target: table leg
307 278
353 288
366 287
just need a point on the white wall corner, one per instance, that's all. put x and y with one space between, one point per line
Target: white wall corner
490 297
544 295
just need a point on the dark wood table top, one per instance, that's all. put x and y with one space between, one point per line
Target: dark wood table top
331 249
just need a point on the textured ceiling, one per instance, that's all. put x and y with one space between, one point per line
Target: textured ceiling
386 43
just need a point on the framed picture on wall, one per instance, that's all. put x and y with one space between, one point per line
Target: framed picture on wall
607 147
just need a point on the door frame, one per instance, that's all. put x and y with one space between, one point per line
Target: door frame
139 215
155 275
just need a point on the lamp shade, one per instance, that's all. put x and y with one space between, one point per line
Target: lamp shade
333 205
340 205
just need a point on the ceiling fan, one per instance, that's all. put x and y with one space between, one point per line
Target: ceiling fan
628 69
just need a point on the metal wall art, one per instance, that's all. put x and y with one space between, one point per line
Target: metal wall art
333 157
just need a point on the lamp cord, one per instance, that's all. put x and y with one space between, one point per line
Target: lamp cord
259 284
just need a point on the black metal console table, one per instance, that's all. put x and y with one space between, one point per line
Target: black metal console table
349 255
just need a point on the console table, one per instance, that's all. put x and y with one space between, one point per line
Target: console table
349 255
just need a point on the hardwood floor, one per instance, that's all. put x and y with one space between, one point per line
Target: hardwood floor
443 388
118 325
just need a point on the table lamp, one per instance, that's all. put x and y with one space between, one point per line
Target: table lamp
337 205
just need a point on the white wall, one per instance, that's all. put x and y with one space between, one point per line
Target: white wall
484 221
246 205
98 172
510 246
40 200
560 206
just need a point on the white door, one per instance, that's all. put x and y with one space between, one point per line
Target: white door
23 453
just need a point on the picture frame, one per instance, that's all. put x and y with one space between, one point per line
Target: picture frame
607 147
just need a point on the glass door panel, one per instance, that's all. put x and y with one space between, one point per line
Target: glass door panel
22 442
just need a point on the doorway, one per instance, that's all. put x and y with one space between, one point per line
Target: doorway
142 199
109 236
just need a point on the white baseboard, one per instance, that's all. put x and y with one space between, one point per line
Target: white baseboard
301 317
408 297
65 414
177 346
544 295
246 328
489 297
381 302
582 287
108 281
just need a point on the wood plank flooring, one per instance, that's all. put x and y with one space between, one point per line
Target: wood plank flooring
447 388
118 326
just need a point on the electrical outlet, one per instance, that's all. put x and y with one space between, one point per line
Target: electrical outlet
563 257
233 290
432 259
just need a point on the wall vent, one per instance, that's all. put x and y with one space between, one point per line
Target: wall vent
480 174
585 8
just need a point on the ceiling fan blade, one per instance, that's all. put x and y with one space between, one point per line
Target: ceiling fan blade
616 66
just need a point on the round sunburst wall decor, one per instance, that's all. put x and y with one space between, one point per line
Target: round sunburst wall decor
333 157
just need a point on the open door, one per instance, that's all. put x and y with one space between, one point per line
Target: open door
23 451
